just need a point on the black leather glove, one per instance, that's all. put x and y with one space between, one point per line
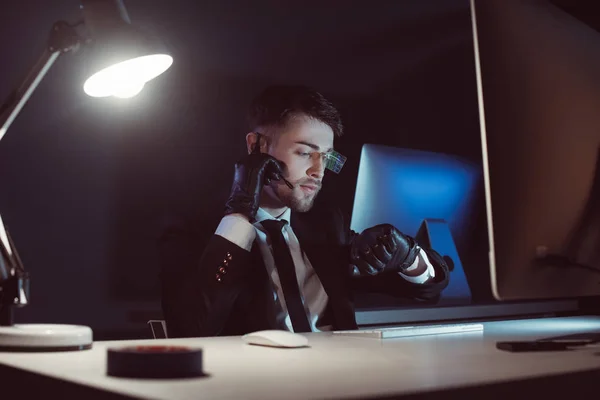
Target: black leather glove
251 173
382 248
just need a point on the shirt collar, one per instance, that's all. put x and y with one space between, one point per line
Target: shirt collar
262 215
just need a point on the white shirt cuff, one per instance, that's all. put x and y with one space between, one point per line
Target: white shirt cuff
237 230
425 276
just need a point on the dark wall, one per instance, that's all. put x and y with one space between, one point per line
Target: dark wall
86 182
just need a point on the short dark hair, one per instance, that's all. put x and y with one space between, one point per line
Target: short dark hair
278 103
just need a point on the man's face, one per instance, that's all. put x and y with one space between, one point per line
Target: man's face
301 147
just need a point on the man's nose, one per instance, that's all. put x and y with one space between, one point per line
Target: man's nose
317 170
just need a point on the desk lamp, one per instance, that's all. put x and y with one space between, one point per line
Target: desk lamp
123 59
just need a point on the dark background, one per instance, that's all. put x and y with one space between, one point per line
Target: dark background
85 183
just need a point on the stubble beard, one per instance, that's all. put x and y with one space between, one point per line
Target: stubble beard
295 198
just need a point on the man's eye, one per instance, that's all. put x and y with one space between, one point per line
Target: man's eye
303 154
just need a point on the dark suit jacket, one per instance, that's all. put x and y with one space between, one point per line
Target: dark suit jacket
222 289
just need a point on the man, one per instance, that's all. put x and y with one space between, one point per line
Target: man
299 273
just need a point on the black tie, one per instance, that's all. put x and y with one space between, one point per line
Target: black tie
287 275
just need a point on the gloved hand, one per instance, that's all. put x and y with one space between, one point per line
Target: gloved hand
382 248
251 173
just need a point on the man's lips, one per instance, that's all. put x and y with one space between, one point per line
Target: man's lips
310 188
313 187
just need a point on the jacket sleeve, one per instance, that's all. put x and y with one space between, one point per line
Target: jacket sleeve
200 282
393 284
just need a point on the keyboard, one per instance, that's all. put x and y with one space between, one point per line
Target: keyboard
408 331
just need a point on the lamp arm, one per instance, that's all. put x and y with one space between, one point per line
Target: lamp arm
17 99
14 280
63 38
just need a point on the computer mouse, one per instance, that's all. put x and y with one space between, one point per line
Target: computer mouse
276 338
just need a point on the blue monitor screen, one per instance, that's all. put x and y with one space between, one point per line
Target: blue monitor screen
416 190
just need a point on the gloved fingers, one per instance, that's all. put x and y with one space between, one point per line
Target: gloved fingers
361 267
394 241
275 166
367 254
382 253
387 240
404 246
353 252
271 176
273 170
357 258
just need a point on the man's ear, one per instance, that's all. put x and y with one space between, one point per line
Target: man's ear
251 138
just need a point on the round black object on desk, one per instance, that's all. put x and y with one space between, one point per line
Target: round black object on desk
158 362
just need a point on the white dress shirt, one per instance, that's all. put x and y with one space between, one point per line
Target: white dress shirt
240 232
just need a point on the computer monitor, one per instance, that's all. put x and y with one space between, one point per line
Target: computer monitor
430 196
538 73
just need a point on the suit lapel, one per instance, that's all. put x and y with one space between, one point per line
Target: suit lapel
314 243
264 297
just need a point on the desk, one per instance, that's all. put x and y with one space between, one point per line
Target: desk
335 367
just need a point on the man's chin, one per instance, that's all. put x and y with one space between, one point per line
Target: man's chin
303 205
302 208
296 202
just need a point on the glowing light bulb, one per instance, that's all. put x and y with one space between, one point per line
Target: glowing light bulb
127 91
126 79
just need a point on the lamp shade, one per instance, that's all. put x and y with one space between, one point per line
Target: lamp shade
122 57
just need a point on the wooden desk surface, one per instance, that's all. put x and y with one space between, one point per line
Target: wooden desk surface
336 366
